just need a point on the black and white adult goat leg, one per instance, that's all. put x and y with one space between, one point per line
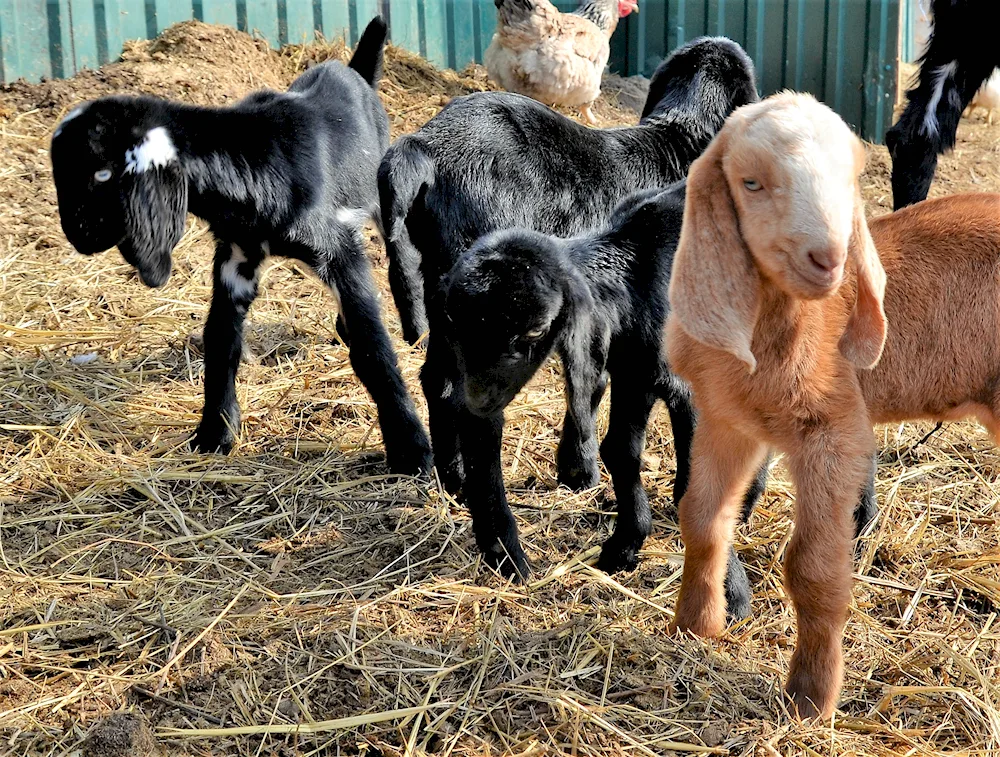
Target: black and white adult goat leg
600 301
494 161
961 54
291 174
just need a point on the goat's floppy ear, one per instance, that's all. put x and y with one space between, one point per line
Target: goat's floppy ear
864 336
714 287
154 204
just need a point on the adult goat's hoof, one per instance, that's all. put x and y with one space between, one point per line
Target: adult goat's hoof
214 436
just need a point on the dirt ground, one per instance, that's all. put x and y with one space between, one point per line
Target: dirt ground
220 604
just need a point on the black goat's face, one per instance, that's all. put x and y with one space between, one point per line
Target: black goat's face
119 182
505 309
914 162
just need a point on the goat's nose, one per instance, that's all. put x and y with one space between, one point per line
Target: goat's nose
827 259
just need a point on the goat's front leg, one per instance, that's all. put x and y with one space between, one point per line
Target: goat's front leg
722 464
576 457
492 520
439 378
348 274
234 288
829 468
682 422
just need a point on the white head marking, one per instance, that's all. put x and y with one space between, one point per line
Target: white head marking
155 151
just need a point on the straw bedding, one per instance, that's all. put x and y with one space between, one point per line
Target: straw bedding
294 599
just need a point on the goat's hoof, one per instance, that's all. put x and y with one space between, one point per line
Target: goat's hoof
207 440
806 699
415 460
413 336
737 590
615 558
864 514
579 479
705 620
452 478
509 561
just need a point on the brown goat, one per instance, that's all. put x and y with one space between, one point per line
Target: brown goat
777 322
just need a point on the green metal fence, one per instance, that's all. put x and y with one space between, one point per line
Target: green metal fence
843 51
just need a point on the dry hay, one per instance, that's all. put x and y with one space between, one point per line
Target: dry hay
296 585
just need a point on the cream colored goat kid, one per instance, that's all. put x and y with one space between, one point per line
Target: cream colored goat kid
777 322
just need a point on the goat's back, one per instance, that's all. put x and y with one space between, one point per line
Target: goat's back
942 303
502 160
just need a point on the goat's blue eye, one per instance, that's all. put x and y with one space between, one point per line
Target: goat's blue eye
103 175
752 185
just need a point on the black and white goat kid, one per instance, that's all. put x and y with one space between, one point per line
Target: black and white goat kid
962 54
290 174
494 161
600 301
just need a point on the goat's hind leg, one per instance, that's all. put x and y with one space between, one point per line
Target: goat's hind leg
234 288
576 458
347 272
621 451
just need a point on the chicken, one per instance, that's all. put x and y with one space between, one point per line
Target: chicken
554 57
988 97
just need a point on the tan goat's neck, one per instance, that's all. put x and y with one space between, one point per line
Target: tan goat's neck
793 335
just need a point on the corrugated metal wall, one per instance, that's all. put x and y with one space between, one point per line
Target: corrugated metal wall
843 51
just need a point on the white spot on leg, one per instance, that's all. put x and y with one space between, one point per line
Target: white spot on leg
240 288
941 76
155 151
77 111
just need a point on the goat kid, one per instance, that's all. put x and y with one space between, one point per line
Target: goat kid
599 301
290 174
961 55
785 327
494 161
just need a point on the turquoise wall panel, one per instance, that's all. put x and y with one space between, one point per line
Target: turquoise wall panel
843 51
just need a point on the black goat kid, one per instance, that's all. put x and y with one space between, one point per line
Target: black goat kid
961 54
290 174
496 161
600 301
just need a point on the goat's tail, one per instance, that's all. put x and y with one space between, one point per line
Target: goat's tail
405 173
368 55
